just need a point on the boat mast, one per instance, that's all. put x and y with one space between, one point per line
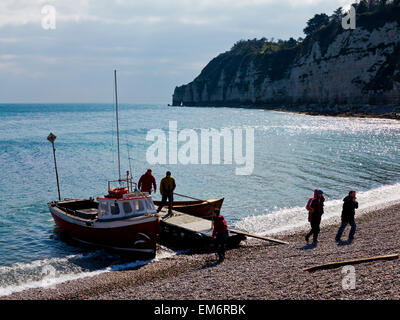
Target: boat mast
116 111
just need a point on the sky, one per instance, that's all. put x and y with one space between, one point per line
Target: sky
66 50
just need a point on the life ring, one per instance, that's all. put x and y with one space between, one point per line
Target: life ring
117 192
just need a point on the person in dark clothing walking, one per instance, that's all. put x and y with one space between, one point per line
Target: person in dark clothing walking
220 234
348 212
317 210
167 187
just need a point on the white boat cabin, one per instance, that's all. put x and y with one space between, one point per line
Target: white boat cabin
132 204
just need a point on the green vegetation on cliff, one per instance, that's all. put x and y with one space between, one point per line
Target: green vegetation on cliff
271 60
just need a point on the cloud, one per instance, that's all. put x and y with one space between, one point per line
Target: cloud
155 44
22 12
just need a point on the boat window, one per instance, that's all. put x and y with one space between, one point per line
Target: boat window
102 208
114 208
139 206
150 205
127 207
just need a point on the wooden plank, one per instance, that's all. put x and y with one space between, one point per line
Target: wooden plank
187 222
258 237
181 219
354 261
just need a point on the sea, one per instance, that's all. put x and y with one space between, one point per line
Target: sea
286 155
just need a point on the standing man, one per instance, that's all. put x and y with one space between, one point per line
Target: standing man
146 181
317 210
220 234
348 212
167 187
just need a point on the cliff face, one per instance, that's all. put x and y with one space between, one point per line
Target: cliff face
333 66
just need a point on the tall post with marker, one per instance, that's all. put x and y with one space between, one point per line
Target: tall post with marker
52 138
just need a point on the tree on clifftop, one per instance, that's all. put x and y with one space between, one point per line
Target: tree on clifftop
337 14
316 23
362 6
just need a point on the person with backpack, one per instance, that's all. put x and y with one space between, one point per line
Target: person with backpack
315 207
348 212
308 206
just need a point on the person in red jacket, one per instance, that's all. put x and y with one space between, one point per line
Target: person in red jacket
316 211
146 181
220 234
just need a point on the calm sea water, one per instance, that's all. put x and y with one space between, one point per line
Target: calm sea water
293 154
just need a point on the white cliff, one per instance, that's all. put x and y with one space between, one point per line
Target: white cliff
358 66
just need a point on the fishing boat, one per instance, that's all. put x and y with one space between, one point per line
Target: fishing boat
124 219
198 208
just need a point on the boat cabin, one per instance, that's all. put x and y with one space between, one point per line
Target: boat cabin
123 204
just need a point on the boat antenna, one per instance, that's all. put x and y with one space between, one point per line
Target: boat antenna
129 157
116 111
52 138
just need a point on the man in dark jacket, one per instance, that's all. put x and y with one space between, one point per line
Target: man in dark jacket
147 181
220 234
349 205
167 187
317 210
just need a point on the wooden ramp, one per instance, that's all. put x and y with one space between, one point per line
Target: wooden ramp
187 230
194 230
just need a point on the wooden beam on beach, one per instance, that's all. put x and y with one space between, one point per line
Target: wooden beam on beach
355 261
258 237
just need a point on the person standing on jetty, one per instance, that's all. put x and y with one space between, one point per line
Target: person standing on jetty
167 187
316 211
350 205
220 234
147 181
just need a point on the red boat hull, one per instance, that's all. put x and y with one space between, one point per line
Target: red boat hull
135 235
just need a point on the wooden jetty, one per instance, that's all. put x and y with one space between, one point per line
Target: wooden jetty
186 230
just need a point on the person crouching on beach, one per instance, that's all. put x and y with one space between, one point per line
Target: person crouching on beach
220 234
348 212
317 210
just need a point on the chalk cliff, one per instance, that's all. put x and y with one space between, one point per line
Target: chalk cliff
331 67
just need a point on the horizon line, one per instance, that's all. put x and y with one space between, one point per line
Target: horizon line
124 102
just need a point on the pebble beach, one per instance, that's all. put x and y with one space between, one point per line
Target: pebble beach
257 270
